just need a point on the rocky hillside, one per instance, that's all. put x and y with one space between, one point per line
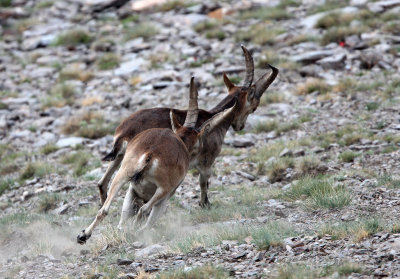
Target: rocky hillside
309 189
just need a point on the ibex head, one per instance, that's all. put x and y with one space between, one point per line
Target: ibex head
187 132
250 93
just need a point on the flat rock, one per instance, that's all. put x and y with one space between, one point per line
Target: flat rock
286 153
335 62
124 261
150 250
378 7
311 56
242 143
62 209
70 142
129 67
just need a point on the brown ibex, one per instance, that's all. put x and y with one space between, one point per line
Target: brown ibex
155 163
248 97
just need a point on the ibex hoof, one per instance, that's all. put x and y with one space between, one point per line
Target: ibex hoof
82 237
205 204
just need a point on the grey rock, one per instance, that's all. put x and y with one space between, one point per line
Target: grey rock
26 195
246 175
286 153
150 250
124 261
62 209
299 152
311 56
69 142
335 62
242 143
129 67
378 7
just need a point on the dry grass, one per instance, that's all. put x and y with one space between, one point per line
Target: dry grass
88 101
108 61
89 125
261 34
59 95
73 38
338 34
312 85
144 30
74 71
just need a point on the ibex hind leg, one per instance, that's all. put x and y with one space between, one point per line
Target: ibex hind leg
145 210
132 204
155 214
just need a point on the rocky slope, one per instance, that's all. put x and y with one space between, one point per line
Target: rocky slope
309 189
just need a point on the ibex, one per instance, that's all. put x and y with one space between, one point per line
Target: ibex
155 163
248 97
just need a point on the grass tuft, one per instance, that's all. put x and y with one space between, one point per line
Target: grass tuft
319 192
80 161
201 272
108 61
313 85
144 30
348 156
36 169
73 38
59 95
88 125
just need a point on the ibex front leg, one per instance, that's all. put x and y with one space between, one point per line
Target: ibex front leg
105 180
204 184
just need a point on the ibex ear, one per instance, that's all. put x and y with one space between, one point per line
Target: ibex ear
251 93
174 122
216 120
228 82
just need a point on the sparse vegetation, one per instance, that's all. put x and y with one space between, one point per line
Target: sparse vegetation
89 125
80 160
49 148
5 184
319 192
108 61
388 181
338 34
74 72
259 34
174 5
59 95
313 85
144 30
48 202
358 230
348 156
270 234
334 19
35 169
201 272
5 3
267 13
272 97
73 38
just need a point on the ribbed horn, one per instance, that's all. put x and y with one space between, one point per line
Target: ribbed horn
249 68
265 81
191 116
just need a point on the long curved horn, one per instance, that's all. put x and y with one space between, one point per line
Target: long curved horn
265 81
249 68
191 116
